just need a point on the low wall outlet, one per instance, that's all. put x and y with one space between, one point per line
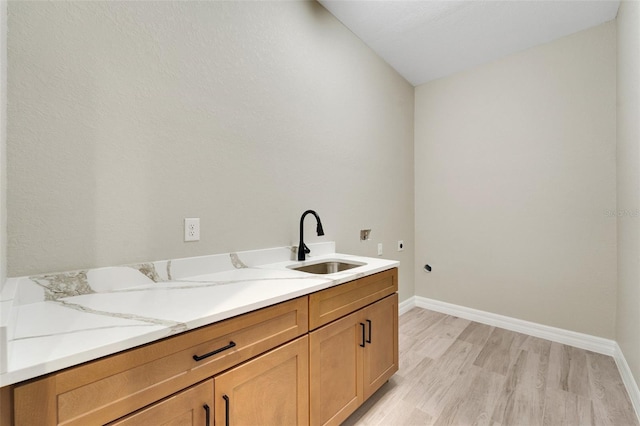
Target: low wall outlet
192 229
379 249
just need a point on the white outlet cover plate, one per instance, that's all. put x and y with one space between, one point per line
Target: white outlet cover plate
192 229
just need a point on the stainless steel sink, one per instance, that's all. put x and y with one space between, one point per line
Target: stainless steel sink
327 267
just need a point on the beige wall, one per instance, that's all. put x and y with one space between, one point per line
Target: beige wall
628 161
3 143
516 185
126 117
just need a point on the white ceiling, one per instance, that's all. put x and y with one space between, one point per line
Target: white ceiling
428 39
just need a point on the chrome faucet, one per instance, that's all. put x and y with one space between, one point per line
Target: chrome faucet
302 247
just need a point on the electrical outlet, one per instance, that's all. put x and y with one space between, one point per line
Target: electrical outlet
192 229
400 245
379 249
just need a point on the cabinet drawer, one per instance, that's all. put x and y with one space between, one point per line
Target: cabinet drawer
335 302
109 388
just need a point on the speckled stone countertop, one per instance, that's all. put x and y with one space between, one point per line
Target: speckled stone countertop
56 321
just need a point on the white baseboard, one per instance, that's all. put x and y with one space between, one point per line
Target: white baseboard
407 305
567 337
627 379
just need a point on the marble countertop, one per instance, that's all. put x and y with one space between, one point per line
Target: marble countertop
61 320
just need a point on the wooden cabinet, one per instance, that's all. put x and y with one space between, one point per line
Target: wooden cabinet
259 368
106 389
350 359
272 389
193 406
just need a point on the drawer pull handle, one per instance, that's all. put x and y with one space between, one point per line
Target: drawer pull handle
226 409
207 413
369 339
363 339
217 351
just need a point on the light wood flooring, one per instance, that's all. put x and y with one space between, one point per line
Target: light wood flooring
459 372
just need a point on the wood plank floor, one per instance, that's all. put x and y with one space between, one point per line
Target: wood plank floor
459 372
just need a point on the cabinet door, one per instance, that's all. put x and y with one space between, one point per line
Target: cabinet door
272 389
380 360
192 406
335 358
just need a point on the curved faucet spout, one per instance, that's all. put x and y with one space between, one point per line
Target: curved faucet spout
302 247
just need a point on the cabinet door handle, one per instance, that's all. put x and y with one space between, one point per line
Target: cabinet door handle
226 409
369 339
217 351
207 414
363 338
